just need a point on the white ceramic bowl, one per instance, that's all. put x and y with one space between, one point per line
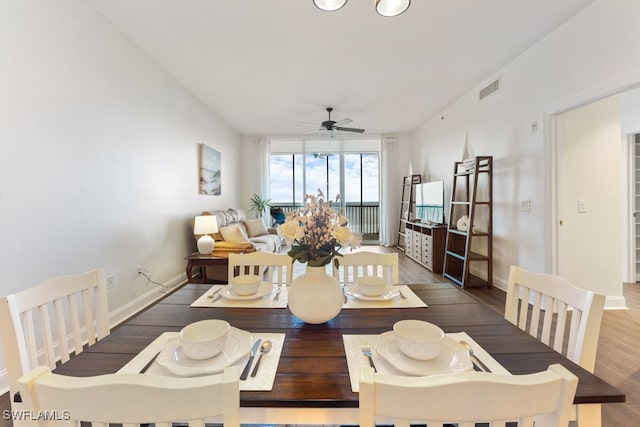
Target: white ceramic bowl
204 339
246 284
418 339
371 286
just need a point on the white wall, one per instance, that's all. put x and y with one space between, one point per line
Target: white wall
591 52
99 159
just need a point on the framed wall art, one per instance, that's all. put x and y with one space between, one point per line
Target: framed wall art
210 162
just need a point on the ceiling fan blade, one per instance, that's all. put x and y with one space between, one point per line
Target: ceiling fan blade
315 131
344 121
309 123
349 129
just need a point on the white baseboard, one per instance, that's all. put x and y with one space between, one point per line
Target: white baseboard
115 317
151 296
615 302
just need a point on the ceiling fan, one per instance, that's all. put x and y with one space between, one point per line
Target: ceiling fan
329 126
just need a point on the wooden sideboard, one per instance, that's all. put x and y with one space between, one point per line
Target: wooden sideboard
425 244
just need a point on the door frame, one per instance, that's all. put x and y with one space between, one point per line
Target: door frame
550 115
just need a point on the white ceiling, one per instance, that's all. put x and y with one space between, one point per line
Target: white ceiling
264 66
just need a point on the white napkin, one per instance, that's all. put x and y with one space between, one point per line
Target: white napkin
263 381
356 360
267 301
411 301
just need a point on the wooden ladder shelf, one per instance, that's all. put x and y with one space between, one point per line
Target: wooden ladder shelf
407 206
469 250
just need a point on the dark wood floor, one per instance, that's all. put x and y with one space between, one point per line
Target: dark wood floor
618 358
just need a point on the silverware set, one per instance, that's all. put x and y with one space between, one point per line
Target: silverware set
477 363
264 348
215 295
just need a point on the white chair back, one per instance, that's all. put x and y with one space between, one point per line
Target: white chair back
275 268
467 398
366 263
132 399
51 321
541 304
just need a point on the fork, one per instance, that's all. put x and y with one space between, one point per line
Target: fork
366 350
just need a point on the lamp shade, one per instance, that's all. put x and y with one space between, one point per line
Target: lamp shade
329 5
392 7
205 224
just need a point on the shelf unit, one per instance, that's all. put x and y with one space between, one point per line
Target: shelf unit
425 244
407 206
468 259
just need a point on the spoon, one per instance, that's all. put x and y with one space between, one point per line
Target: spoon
475 359
264 348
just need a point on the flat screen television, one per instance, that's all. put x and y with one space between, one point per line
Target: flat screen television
430 202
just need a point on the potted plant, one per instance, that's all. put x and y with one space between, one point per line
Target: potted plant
259 204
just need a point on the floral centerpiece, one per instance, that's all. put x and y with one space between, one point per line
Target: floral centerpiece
317 231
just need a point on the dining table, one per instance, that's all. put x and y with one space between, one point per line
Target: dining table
312 382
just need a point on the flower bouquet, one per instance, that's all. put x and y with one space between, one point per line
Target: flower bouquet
316 232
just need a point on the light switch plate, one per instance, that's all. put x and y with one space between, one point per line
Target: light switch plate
582 206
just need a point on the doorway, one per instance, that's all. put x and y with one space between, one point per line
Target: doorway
589 199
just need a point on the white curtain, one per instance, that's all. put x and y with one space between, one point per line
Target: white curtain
263 148
388 217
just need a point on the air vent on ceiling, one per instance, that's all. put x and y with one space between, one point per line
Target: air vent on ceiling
489 89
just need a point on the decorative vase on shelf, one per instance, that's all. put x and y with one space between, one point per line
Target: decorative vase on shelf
463 223
315 297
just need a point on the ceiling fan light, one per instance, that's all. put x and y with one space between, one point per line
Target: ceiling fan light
392 7
329 5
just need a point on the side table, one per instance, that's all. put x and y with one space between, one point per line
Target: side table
202 261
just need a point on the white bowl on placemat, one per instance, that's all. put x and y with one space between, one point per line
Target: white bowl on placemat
246 284
418 339
204 339
371 286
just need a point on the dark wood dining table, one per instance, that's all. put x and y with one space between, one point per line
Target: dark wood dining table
312 384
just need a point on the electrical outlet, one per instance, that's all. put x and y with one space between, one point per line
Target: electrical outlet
111 281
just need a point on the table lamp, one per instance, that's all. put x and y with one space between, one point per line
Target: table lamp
205 225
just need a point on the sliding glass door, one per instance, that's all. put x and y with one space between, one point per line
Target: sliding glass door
355 176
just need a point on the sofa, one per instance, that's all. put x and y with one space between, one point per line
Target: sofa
238 234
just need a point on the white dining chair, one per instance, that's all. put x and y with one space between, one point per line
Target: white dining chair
541 305
529 297
132 399
50 322
365 263
467 398
274 268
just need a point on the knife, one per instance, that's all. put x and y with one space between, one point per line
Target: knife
254 351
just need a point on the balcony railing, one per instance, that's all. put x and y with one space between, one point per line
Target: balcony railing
363 218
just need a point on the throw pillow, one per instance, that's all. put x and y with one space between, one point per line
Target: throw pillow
255 227
233 233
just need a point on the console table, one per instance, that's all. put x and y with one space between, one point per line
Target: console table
425 244
202 261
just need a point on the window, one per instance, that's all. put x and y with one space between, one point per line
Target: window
354 175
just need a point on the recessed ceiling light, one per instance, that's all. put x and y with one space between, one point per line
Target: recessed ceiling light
392 7
329 5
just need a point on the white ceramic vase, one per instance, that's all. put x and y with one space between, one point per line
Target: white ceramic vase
315 297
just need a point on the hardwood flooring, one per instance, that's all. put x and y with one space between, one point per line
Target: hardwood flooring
618 358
